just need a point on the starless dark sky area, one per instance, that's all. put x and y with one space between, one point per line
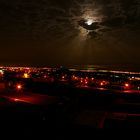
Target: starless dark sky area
53 32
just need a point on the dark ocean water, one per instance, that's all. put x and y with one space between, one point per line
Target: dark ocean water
131 68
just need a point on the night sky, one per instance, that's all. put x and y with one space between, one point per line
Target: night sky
54 32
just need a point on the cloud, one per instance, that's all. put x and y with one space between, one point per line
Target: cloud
60 18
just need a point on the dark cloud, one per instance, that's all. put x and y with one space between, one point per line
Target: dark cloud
94 35
115 22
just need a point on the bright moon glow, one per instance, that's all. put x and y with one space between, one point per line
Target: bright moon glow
89 22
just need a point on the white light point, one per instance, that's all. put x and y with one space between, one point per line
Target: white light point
89 22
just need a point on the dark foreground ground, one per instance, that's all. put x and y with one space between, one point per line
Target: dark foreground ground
63 108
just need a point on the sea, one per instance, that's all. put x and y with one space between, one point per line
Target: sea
128 68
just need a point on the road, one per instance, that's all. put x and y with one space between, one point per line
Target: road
26 97
35 98
31 98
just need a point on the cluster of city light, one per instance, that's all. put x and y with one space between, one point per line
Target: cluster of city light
26 75
88 79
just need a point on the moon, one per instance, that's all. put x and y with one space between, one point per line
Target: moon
89 22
